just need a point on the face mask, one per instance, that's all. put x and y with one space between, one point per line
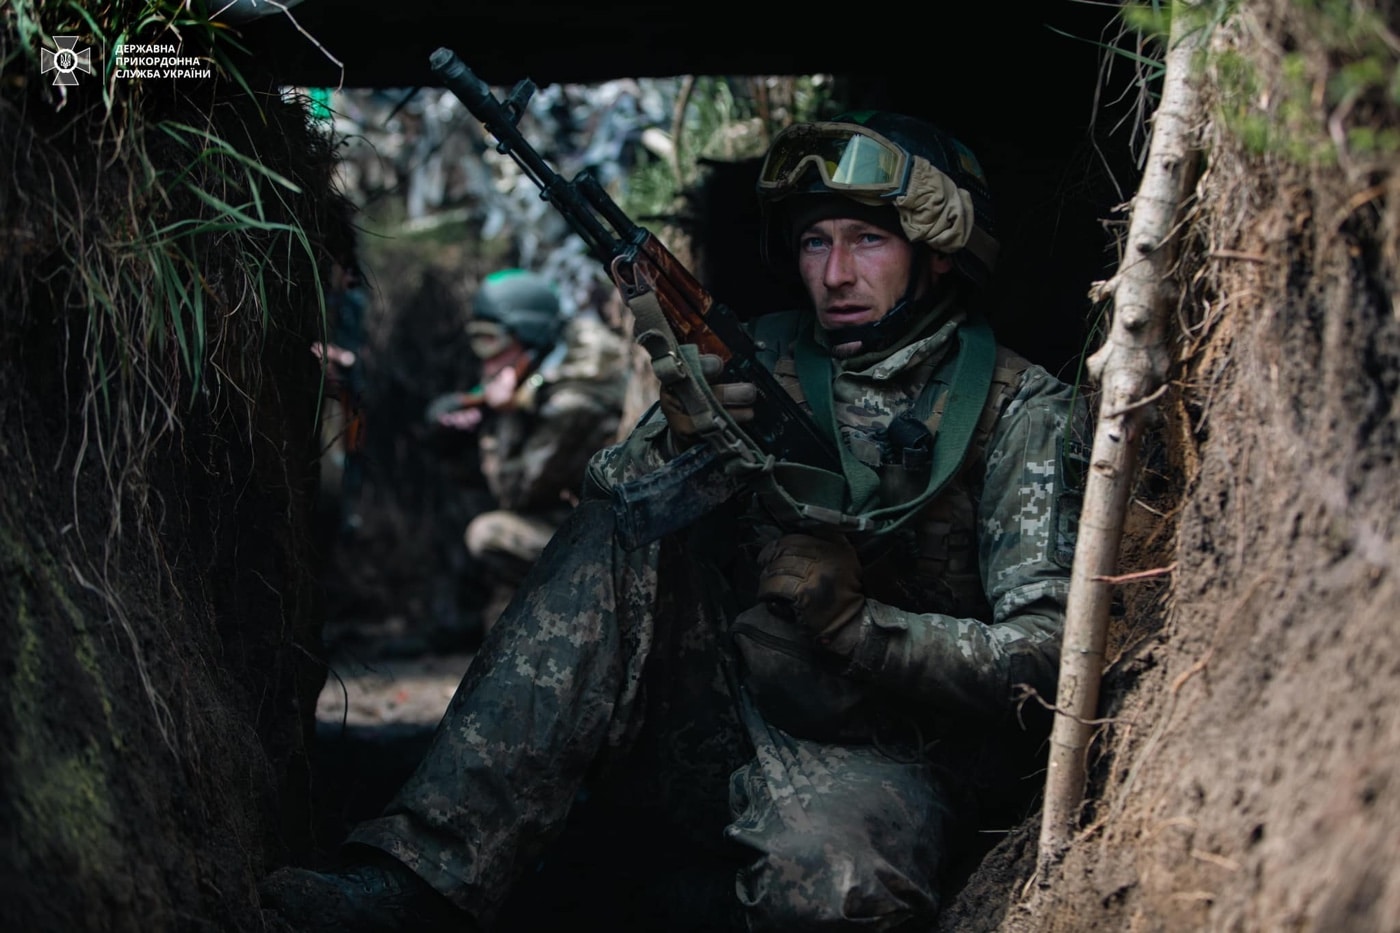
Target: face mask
487 339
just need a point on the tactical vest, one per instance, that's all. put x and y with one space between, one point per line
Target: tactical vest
930 562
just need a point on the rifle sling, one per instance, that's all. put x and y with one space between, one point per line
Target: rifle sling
677 368
809 493
967 373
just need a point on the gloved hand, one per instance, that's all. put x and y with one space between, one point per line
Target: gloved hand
736 397
813 580
795 683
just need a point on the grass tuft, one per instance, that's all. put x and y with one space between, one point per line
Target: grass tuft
167 241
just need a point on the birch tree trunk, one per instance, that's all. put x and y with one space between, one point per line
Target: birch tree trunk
1130 368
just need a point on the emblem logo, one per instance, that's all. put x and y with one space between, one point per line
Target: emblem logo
64 62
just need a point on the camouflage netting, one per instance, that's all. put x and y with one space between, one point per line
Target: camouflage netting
160 276
441 208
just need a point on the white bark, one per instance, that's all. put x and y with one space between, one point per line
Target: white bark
1131 366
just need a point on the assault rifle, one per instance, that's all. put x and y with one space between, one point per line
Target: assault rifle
524 366
640 265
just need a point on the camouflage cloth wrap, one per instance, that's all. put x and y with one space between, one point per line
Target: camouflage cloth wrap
848 835
507 544
612 667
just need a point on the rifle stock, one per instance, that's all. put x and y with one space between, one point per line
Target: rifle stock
639 263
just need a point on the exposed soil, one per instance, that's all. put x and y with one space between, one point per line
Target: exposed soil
159 603
162 607
1247 777
1248 780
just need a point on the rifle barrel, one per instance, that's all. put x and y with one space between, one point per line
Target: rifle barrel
780 426
500 123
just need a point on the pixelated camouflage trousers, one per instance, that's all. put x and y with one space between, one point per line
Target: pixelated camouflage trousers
597 675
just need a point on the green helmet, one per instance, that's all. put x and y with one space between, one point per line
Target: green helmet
523 304
883 160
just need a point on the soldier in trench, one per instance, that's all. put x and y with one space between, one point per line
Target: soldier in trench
551 395
810 714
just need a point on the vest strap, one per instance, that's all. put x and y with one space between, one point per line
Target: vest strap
812 495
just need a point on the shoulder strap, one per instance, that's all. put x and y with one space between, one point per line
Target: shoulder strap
774 333
969 379
1006 381
968 374
814 374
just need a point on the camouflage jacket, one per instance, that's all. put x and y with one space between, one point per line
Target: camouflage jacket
966 600
533 456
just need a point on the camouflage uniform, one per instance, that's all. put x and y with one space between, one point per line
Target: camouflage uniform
533 457
615 668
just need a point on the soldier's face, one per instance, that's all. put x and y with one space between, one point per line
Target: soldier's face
507 357
488 339
855 272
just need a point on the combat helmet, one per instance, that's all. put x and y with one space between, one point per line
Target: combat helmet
877 159
520 303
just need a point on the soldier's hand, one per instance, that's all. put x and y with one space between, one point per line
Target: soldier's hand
463 419
737 398
452 410
499 392
813 580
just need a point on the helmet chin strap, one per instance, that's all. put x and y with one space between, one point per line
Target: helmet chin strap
878 335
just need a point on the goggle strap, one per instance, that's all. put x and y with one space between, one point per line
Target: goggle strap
983 245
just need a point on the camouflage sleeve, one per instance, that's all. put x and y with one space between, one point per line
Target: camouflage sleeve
646 448
1026 530
572 424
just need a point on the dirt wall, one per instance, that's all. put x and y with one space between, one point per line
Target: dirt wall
1251 781
158 613
1247 778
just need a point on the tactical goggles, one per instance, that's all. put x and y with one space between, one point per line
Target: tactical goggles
849 157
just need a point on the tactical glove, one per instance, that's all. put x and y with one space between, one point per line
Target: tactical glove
815 581
795 684
736 397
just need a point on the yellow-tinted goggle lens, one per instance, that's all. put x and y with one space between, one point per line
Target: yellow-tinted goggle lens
848 157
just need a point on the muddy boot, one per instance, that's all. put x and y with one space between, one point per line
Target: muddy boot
375 895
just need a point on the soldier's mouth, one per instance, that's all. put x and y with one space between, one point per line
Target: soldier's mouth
844 315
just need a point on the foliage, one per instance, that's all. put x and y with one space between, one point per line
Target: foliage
156 195
1318 101
155 270
1138 41
720 118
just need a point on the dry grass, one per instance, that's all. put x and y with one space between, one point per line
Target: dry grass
153 267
